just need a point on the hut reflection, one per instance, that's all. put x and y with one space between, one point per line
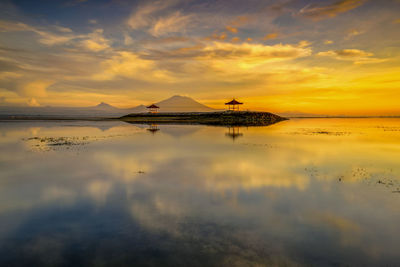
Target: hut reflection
234 132
153 128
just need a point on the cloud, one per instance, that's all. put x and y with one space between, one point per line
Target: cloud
345 53
37 88
168 40
355 55
128 39
54 39
129 65
317 11
217 36
33 102
255 53
155 18
231 29
303 43
271 36
143 16
328 42
353 32
239 21
63 29
9 75
46 38
11 26
173 23
95 41
235 39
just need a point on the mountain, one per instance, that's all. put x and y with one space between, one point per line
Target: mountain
172 104
104 106
179 103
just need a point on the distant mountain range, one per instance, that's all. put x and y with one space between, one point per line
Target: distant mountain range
173 104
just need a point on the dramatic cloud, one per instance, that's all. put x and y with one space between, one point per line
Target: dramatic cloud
255 52
130 65
317 11
129 50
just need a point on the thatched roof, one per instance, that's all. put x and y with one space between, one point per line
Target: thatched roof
233 102
153 106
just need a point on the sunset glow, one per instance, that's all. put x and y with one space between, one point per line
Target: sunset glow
334 57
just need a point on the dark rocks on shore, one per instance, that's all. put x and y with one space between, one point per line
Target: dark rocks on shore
242 118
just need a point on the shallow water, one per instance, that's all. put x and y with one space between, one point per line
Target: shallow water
320 192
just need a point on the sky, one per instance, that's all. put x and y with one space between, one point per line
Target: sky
335 57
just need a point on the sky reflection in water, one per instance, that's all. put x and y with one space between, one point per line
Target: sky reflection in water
300 192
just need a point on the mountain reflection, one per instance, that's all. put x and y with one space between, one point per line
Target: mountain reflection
272 197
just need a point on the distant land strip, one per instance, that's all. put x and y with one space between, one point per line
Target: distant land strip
242 118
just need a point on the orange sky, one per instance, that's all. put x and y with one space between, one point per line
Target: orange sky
322 57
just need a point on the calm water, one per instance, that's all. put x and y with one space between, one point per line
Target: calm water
319 192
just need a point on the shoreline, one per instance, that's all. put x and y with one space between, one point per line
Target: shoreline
238 118
8 118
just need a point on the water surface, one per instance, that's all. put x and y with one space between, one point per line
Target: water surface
319 192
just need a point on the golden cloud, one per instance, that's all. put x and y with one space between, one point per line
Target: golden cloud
236 62
130 65
217 36
33 103
141 17
255 52
346 53
355 55
93 41
231 29
62 29
10 26
353 32
96 41
37 88
271 36
235 39
147 16
317 12
176 22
